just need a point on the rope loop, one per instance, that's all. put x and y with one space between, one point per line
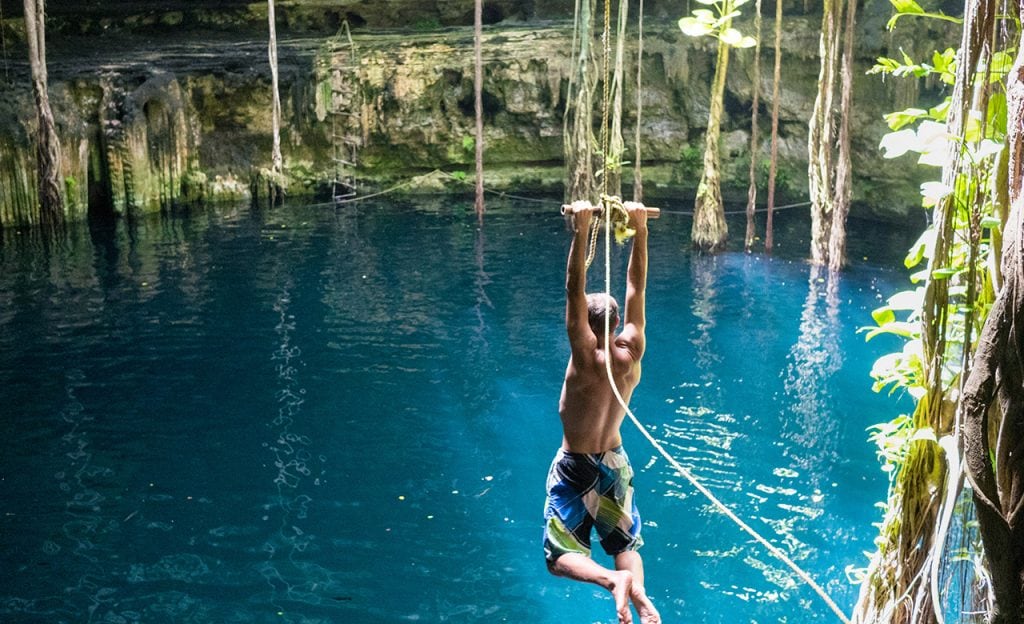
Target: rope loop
613 205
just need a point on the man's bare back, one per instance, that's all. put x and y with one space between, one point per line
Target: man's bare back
591 471
591 415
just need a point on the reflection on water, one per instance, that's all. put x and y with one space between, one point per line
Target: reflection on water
813 360
311 415
290 577
86 526
481 279
706 310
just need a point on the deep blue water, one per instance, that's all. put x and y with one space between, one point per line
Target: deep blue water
320 415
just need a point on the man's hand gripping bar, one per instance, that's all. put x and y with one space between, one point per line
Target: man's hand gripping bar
578 206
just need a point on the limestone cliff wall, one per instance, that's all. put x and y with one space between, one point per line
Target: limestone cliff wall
146 122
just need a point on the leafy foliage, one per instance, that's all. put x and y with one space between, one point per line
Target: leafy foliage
954 267
910 7
924 132
717 22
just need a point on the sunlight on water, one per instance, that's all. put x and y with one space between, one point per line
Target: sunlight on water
309 415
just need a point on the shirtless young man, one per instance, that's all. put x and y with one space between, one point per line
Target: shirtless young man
590 484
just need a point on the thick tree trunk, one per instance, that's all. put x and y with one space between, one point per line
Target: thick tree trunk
478 105
995 390
998 357
710 232
844 178
748 240
774 162
48 147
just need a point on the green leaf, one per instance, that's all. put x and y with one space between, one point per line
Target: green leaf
899 328
944 273
920 247
901 118
907 6
991 223
972 128
987 148
896 144
881 369
1002 62
731 36
996 118
884 65
907 300
934 143
693 27
940 111
932 192
943 63
883 315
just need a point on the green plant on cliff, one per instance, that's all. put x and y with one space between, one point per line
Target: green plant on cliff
71 188
428 24
690 162
938 320
710 231
785 177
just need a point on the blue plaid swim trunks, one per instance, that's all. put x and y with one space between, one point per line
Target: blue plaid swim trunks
587 491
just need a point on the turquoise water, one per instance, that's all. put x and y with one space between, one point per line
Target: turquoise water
320 415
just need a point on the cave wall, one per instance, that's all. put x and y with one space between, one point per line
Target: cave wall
162 112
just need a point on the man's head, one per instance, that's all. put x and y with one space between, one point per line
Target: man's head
597 305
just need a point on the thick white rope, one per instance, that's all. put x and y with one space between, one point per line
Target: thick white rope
774 550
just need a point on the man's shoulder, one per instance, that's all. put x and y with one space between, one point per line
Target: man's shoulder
630 344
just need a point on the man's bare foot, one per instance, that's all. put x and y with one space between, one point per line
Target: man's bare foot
644 606
622 588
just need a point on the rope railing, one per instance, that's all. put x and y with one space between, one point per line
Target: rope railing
508 195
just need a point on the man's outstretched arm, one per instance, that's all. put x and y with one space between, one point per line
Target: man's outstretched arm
635 318
581 337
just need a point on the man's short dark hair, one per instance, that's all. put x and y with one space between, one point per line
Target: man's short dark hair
597 305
